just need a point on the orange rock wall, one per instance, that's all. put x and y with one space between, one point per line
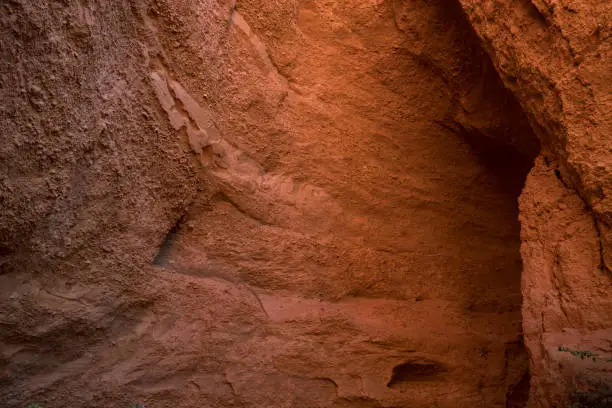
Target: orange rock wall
305 204
553 56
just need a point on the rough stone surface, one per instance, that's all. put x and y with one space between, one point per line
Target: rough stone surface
554 56
300 204
565 292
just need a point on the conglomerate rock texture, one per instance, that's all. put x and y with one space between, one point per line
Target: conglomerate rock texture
304 203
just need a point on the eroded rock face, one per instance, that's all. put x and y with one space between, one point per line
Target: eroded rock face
553 55
92 177
566 299
261 204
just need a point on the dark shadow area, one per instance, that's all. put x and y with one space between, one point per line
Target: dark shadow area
595 396
506 166
486 117
161 259
414 371
518 395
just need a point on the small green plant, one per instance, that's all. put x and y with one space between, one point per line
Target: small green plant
33 405
582 354
598 395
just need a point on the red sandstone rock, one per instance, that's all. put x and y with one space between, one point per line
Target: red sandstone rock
298 204
554 56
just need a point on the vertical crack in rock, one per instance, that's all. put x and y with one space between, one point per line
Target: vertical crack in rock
161 259
602 249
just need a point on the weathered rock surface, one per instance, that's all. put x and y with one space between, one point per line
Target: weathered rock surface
565 292
296 204
554 56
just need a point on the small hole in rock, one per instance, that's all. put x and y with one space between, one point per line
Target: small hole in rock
414 371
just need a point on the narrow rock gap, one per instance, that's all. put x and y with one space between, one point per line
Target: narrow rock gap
165 249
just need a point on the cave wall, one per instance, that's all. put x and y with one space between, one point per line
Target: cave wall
553 56
92 177
303 204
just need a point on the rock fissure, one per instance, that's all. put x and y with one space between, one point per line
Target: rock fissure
603 265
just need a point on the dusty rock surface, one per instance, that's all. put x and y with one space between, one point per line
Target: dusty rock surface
566 299
294 204
554 56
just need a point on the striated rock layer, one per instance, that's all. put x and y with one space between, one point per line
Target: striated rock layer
302 204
